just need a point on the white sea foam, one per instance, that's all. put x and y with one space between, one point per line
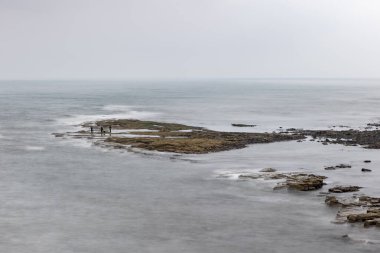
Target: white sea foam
234 174
34 148
126 113
118 108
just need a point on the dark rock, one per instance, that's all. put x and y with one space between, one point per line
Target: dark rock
341 189
243 125
366 170
367 161
268 170
343 166
373 222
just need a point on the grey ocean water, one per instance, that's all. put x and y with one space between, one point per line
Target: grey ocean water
63 195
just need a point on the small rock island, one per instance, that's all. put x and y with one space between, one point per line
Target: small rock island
172 137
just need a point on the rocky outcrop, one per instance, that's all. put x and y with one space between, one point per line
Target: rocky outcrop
354 209
304 182
292 181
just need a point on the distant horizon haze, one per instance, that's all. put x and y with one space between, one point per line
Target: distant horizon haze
189 39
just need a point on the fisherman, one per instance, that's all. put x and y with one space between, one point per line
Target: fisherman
101 130
110 128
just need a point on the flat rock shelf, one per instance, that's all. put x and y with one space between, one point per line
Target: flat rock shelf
172 137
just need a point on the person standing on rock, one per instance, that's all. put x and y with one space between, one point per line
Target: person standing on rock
92 129
101 130
110 128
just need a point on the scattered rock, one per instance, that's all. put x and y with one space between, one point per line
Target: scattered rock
341 189
340 166
366 170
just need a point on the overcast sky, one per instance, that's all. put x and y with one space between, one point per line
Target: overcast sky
149 39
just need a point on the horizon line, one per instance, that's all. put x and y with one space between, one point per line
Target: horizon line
190 79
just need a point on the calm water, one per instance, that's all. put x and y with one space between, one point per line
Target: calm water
62 195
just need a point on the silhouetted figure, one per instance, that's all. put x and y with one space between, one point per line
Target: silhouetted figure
101 130
92 130
110 128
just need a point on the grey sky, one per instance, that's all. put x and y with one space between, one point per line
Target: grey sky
133 39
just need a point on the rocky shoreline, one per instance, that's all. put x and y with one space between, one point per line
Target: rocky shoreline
179 138
357 208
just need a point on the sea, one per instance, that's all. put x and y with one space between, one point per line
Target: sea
69 195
